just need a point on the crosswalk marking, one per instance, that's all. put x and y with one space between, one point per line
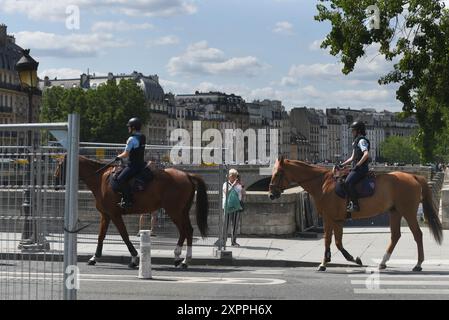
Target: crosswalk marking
403 291
405 283
400 281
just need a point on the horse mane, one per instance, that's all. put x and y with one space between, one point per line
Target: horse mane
307 164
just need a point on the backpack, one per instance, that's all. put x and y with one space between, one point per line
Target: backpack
232 203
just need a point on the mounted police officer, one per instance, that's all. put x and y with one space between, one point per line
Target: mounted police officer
135 153
359 161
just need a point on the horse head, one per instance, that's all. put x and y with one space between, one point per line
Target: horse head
278 181
60 173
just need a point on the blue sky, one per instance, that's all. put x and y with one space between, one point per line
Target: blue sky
255 48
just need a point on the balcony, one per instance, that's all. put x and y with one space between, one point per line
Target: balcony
15 87
8 86
5 109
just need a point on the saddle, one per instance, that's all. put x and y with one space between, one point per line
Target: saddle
139 182
365 188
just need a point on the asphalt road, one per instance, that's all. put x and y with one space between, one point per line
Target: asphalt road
112 281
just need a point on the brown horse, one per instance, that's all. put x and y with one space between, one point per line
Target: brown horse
170 189
397 192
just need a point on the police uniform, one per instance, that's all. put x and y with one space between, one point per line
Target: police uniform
136 163
360 145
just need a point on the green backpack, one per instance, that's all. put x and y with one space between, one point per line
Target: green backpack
233 202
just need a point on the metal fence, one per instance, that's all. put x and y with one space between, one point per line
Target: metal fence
34 249
164 229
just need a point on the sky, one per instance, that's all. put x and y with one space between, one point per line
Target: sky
259 49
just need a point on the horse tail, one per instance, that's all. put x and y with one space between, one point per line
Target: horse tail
430 212
202 204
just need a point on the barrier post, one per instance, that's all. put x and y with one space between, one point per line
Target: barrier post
145 255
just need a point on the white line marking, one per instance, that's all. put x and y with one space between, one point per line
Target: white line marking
404 291
167 280
404 283
268 272
389 275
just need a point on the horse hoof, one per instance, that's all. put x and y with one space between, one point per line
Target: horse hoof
322 269
417 269
91 262
177 263
359 261
382 267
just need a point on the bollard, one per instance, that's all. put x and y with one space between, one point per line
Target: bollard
145 255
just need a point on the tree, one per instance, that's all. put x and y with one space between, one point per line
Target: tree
414 34
399 149
104 111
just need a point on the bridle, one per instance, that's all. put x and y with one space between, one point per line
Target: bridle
281 175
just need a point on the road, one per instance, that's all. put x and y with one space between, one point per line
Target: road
114 281
110 281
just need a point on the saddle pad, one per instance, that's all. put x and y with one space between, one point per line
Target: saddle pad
139 182
365 188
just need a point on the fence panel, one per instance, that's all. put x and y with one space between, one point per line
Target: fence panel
32 210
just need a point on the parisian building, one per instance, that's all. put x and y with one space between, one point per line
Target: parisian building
14 101
156 100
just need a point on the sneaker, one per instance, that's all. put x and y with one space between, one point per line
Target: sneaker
236 245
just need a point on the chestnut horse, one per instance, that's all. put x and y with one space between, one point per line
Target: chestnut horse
398 193
170 189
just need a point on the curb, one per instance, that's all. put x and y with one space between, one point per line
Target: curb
201 261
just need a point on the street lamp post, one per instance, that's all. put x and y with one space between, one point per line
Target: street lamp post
26 67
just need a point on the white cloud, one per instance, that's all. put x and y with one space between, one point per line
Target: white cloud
56 10
120 26
283 27
61 73
164 41
65 73
199 58
367 70
316 45
68 46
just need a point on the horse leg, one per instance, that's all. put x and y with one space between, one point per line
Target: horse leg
338 229
180 244
327 244
118 221
395 227
417 234
189 235
104 224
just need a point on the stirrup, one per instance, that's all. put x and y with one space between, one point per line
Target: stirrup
125 204
351 208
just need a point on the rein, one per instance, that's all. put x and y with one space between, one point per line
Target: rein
281 177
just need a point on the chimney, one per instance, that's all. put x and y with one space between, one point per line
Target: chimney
3 34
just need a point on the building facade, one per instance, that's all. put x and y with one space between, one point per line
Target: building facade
155 98
14 101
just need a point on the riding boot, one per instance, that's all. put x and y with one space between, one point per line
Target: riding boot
126 201
354 204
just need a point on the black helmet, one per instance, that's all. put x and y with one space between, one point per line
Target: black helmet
135 123
359 126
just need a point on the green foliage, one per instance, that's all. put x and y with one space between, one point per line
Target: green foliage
104 111
415 35
399 149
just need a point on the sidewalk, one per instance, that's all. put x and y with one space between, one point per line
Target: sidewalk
368 243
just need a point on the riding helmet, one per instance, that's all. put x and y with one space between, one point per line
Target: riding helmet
359 126
135 123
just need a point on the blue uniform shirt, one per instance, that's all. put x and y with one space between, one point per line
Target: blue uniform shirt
363 145
132 143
